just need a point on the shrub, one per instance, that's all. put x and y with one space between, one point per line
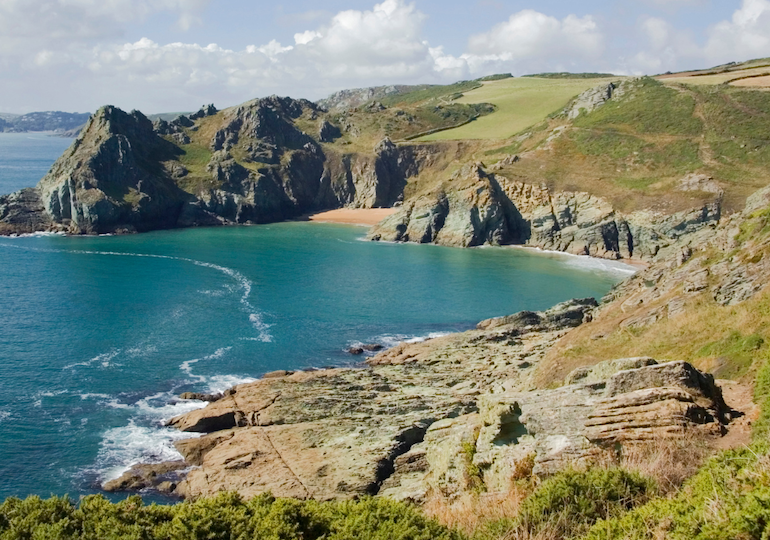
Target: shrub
226 516
569 503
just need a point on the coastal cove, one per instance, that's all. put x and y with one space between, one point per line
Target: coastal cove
102 333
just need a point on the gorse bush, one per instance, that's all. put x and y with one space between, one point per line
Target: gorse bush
572 501
569 503
226 517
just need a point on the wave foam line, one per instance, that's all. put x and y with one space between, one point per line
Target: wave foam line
255 318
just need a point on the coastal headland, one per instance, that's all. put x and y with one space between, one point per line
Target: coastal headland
672 362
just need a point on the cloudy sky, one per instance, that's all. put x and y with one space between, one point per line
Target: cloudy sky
172 55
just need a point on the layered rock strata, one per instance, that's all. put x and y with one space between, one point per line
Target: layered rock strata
402 426
476 207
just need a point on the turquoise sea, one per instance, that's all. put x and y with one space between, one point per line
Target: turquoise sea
99 334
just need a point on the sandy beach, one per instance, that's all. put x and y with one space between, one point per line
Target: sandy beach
353 216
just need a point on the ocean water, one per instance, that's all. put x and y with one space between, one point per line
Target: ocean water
98 335
26 157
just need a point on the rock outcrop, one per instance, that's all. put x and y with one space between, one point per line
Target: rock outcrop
402 426
475 207
247 164
590 100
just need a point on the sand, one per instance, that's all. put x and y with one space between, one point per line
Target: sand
353 216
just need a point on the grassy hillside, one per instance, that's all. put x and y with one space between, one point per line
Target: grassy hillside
521 103
634 149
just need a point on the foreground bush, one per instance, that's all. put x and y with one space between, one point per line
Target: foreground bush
728 498
569 503
226 516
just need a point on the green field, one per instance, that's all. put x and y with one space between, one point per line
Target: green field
521 102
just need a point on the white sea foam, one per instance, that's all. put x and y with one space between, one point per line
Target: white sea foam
186 366
123 447
220 383
103 359
144 439
40 234
391 340
4 415
142 351
242 282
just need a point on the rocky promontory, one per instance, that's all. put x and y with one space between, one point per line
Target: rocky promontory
421 416
476 206
277 158
248 164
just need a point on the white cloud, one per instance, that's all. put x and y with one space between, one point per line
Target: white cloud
530 35
746 35
78 46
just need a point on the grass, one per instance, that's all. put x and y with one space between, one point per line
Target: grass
633 150
568 75
718 78
521 102
648 108
431 94
195 158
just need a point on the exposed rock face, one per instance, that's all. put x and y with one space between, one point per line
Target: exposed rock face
23 212
475 207
401 427
552 429
590 100
347 99
124 174
161 477
653 294
110 178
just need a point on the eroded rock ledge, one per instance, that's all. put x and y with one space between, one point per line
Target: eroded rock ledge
402 426
476 206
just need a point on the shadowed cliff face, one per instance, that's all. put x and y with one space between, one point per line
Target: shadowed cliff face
249 164
112 178
474 207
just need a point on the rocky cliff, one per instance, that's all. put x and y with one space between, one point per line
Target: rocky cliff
475 206
248 164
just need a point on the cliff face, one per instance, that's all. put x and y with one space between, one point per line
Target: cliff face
475 207
249 164
112 178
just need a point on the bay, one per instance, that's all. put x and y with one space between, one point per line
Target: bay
98 335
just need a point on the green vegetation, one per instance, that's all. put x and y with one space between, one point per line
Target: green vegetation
520 102
569 503
195 158
728 498
737 350
438 93
226 516
634 149
648 108
496 77
567 75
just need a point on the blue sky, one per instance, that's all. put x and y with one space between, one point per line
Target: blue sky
170 55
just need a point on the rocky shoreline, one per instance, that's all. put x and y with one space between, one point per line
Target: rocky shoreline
481 407
404 425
